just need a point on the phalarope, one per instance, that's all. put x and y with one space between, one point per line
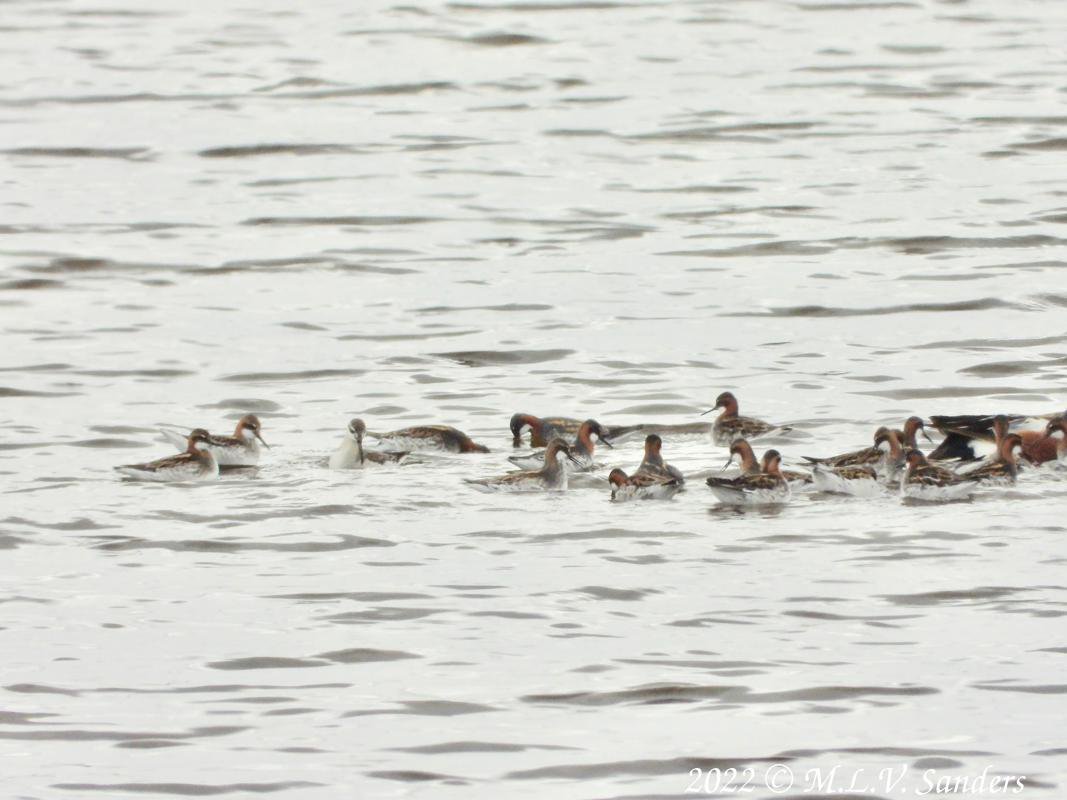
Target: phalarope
856 458
642 486
855 480
1003 469
542 430
912 426
1037 446
892 468
750 466
1057 431
552 476
622 433
351 455
766 487
730 426
583 448
429 437
197 463
999 426
972 436
883 457
653 463
925 481
240 450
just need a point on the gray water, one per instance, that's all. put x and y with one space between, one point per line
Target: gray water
846 213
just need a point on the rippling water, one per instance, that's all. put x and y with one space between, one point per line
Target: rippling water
844 212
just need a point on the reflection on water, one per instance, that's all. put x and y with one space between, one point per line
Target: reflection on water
846 213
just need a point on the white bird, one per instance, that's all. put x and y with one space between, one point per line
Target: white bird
351 455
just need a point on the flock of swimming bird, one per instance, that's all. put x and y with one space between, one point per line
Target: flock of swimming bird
954 470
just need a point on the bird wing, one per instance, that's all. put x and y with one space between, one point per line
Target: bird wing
177 462
650 479
384 458
856 473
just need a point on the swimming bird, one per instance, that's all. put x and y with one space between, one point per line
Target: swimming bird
961 443
351 455
925 481
730 426
750 466
240 450
854 458
1057 431
883 457
1037 447
855 480
972 436
912 425
620 433
428 437
552 476
766 487
653 463
583 448
542 430
1003 469
197 463
892 467
642 486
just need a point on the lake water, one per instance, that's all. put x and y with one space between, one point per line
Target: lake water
846 213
